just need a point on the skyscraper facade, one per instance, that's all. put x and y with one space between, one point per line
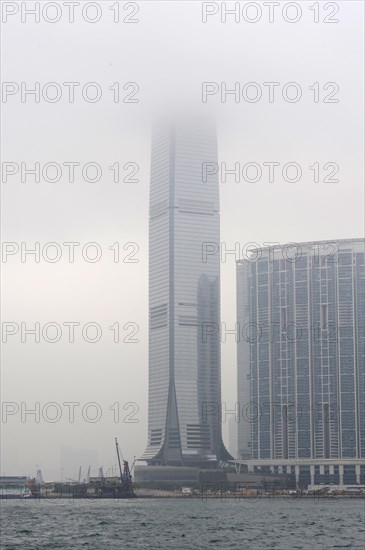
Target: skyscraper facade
301 355
184 293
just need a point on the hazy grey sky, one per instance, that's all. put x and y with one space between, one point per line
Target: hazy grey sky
169 53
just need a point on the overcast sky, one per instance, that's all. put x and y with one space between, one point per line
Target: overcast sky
168 53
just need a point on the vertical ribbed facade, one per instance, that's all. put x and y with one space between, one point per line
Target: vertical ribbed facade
184 293
303 358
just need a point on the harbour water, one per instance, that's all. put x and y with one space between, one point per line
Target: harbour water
281 523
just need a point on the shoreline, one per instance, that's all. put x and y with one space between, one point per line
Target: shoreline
223 498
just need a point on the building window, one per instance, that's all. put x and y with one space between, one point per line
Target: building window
324 316
283 318
326 431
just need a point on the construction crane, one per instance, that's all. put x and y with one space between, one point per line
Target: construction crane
127 488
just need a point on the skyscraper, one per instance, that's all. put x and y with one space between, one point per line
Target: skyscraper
184 293
301 364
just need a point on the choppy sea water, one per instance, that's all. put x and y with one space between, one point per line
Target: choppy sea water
184 523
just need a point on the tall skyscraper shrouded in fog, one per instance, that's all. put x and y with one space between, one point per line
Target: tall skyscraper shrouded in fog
184 293
304 368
